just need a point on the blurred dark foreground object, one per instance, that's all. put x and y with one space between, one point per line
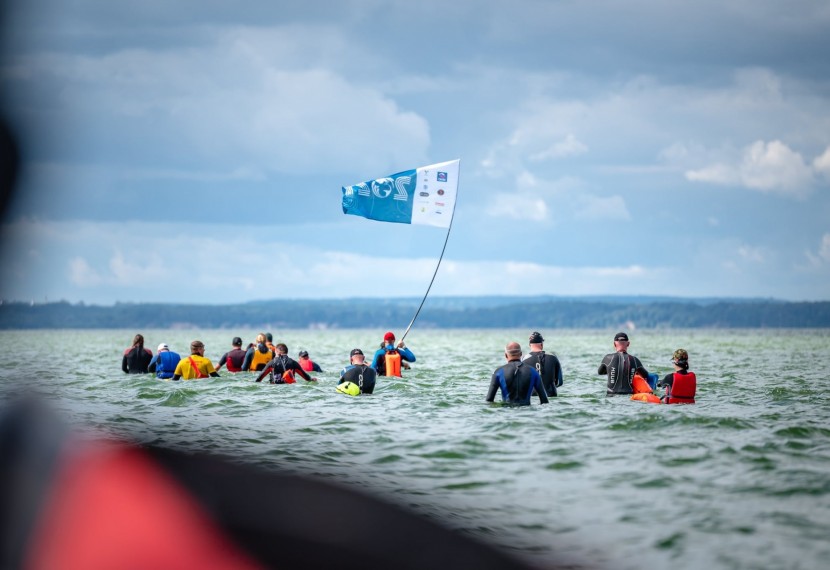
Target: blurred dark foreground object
101 505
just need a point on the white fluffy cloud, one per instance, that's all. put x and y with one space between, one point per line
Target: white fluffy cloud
766 167
821 164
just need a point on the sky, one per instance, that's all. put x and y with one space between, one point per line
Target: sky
194 151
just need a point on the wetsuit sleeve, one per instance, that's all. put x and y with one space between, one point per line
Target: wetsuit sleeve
603 366
222 361
177 374
265 371
316 367
246 364
666 381
494 386
124 364
153 361
638 364
295 366
559 378
406 354
539 386
375 358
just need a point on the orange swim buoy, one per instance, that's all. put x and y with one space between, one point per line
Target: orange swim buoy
647 398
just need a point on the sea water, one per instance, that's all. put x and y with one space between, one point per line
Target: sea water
739 480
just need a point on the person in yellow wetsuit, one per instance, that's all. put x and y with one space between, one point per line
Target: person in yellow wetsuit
195 365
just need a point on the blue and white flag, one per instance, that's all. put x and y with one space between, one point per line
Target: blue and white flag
425 196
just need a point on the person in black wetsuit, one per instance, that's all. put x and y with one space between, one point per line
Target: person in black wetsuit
516 379
281 364
620 367
359 373
547 365
136 359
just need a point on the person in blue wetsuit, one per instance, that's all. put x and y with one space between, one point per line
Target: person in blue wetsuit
516 379
547 365
359 373
164 362
389 359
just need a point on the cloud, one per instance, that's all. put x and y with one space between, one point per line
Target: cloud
601 208
570 146
821 164
520 206
82 274
247 101
821 258
767 167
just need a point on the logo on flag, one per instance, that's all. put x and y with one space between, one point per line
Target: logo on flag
391 198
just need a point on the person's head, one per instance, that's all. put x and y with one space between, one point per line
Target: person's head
281 348
536 341
513 351
680 358
356 356
260 338
163 346
237 342
389 338
303 354
621 342
138 340
197 347
269 337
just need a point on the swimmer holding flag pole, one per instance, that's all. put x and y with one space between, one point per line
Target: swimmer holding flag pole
425 195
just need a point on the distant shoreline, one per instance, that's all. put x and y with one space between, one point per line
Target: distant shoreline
438 312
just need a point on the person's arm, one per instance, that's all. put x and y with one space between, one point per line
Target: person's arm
246 364
603 366
559 378
494 386
638 364
406 354
666 380
124 366
316 367
299 370
177 374
375 358
264 372
540 387
221 362
153 362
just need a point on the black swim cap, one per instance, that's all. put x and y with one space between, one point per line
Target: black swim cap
536 337
236 341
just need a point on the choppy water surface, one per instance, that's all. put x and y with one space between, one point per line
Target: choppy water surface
740 480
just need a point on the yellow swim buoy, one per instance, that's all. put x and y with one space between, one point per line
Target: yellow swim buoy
348 388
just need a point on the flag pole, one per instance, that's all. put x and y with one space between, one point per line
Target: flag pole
449 229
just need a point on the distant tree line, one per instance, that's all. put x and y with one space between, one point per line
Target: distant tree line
442 313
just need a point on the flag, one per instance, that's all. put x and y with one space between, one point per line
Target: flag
424 195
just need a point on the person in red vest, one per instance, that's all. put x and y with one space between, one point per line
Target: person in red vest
681 384
308 364
234 358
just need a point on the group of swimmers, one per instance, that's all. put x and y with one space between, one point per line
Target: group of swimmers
539 373
517 380
270 360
